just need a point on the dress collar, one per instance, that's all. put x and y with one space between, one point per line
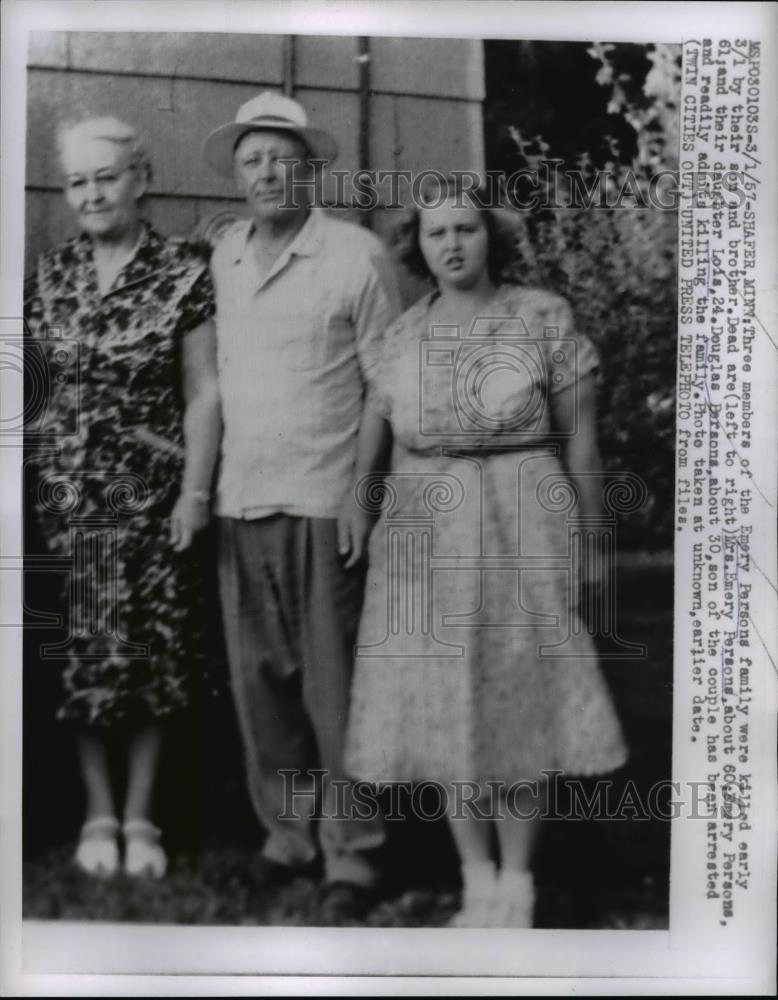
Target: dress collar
149 257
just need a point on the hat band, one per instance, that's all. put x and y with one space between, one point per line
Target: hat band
274 119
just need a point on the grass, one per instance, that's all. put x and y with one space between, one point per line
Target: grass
589 874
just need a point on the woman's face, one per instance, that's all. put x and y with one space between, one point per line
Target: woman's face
102 188
455 242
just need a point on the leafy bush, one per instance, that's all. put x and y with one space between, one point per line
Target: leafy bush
617 269
618 266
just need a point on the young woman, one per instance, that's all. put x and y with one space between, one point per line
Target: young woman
472 667
124 477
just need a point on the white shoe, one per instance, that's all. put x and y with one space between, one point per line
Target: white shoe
478 897
514 901
143 854
98 851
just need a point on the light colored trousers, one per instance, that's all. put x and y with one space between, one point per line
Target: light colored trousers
291 613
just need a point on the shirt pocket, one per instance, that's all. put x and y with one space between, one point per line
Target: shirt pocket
313 331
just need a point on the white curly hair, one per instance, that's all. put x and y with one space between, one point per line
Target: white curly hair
109 129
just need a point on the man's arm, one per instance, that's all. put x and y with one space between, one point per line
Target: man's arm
373 449
377 304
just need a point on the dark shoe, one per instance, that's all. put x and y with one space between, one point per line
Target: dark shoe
344 904
267 874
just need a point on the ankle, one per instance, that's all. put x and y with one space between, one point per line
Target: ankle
516 884
99 825
515 876
478 876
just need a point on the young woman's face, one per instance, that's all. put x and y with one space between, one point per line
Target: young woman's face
455 243
102 187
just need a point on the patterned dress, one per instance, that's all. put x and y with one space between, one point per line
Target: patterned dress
471 661
105 440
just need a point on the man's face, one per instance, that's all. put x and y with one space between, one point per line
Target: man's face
265 181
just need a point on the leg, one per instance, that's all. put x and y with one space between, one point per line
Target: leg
331 600
93 758
473 837
260 624
517 831
98 851
144 855
142 762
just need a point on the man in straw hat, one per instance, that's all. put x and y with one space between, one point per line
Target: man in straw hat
302 302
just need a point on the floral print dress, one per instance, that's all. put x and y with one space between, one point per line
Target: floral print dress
106 450
471 660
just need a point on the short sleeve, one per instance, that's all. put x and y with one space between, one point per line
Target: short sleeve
570 354
377 304
198 304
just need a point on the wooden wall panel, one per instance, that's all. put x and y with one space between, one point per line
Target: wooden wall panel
442 67
255 59
326 62
48 48
424 110
417 133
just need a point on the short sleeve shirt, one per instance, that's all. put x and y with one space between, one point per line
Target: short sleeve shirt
296 350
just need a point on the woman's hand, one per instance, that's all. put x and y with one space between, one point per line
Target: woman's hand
190 515
354 527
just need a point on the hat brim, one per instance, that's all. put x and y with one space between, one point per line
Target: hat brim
219 145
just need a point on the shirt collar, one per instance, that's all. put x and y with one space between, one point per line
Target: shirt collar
306 243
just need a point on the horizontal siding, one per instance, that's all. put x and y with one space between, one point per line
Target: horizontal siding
178 87
441 67
433 67
416 133
326 62
48 49
175 116
246 58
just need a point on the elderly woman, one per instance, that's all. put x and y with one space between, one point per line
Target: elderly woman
125 484
472 669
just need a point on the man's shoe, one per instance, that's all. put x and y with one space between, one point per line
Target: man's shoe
344 904
267 874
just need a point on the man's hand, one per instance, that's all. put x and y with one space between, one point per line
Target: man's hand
189 516
354 527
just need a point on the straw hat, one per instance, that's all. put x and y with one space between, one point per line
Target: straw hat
267 111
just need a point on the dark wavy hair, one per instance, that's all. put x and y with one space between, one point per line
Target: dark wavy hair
501 253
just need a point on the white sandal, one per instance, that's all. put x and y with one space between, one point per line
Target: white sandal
143 855
478 898
98 851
